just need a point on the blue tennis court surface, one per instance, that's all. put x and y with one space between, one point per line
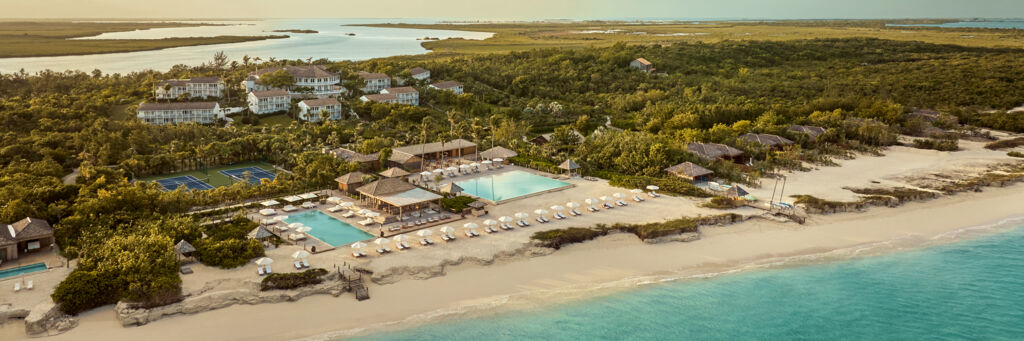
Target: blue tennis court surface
188 181
257 174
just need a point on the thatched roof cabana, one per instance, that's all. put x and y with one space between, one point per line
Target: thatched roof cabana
690 171
451 187
394 194
569 165
260 233
811 131
498 152
712 151
768 140
394 172
184 248
351 178
736 192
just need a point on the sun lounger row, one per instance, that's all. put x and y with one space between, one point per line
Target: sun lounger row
426 241
558 215
447 237
522 223
402 245
541 219
261 271
301 264
471 233
359 253
382 249
620 203
28 286
637 198
490 229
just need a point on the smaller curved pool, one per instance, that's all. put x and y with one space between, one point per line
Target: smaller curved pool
328 229
21 270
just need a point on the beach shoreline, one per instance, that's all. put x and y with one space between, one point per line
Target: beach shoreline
571 273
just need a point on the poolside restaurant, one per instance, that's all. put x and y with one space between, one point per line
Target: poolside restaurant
395 196
412 156
25 236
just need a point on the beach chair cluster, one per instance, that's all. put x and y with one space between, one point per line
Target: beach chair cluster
382 249
426 241
448 237
358 253
472 233
28 286
301 264
264 270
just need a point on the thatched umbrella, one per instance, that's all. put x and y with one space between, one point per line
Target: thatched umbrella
260 233
736 192
184 249
451 187
569 165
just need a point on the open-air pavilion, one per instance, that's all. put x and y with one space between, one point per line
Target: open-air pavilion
691 172
498 152
569 166
394 172
395 196
184 250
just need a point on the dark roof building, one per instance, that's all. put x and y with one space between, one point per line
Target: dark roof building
690 171
769 140
712 151
811 131
26 235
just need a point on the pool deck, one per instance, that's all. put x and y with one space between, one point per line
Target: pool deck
506 169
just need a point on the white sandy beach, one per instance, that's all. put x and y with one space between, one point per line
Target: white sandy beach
615 262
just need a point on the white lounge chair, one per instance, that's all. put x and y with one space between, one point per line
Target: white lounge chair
405 245
653 195
366 221
620 203
469 234
258 271
607 205
444 237
541 220
429 241
348 214
305 264
637 198
558 216
358 254
573 213
29 286
17 286
268 269
593 209
520 223
298 265
423 241
505 227
451 236
490 229
526 223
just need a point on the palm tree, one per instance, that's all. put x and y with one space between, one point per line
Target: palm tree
425 127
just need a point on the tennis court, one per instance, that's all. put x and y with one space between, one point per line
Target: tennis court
255 175
188 181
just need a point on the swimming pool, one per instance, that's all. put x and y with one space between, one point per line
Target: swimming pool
328 229
508 185
21 270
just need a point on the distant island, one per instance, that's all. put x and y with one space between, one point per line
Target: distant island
428 38
296 31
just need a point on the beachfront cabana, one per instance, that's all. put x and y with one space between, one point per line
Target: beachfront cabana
691 172
292 199
498 152
569 165
308 196
396 196
736 192
811 131
394 172
349 182
452 188
716 151
768 140
260 233
184 250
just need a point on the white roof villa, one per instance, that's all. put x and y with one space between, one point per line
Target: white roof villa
179 112
420 73
312 109
317 79
452 86
204 87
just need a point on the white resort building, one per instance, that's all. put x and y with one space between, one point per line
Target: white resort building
403 95
420 73
375 82
313 109
269 101
310 81
203 87
452 86
181 112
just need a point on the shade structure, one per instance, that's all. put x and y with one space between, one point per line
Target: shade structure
470 225
267 211
394 172
505 219
557 208
490 222
451 187
358 245
636 191
301 254
334 200
590 201
295 225
259 233
424 233
446 229
452 169
653 187
604 198
540 211
183 247
400 238
572 205
269 203
521 215
381 241
569 165
346 204
618 195
263 261
303 229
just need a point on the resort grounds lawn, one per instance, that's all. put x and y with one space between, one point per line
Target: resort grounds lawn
212 175
276 119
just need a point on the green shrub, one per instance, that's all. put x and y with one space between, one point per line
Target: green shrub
1004 144
285 281
456 203
84 290
227 253
723 203
556 238
948 145
1015 154
669 185
815 202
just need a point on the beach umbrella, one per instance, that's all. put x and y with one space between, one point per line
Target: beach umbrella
589 201
505 219
439 170
490 222
636 191
453 169
653 187
358 245
424 233
618 195
381 242
605 198
264 261
557 208
499 160
521 215
346 204
303 229
446 229
364 212
295 225
471 226
572 205
301 254
540 211
400 238
474 165
464 166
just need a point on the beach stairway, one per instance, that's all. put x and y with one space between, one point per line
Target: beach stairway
357 287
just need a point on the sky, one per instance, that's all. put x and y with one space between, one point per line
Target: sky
514 9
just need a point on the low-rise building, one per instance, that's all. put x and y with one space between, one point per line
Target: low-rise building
691 172
25 236
380 98
768 140
716 151
203 87
310 81
420 74
314 110
642 65
811 131
366 161
452 86
181 112
403 95
349 182
374 82
269 101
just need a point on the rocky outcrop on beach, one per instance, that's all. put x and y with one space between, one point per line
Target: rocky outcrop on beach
47 319
682 238
131 314
397 273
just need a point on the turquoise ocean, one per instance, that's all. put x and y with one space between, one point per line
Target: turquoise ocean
965 290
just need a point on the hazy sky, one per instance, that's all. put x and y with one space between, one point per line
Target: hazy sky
511 9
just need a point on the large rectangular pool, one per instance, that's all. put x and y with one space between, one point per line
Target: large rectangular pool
508 185
328 229
21 270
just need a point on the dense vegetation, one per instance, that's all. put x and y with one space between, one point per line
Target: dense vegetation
859 89
292 280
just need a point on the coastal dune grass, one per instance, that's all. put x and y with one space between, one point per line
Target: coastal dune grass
559 237
292 280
